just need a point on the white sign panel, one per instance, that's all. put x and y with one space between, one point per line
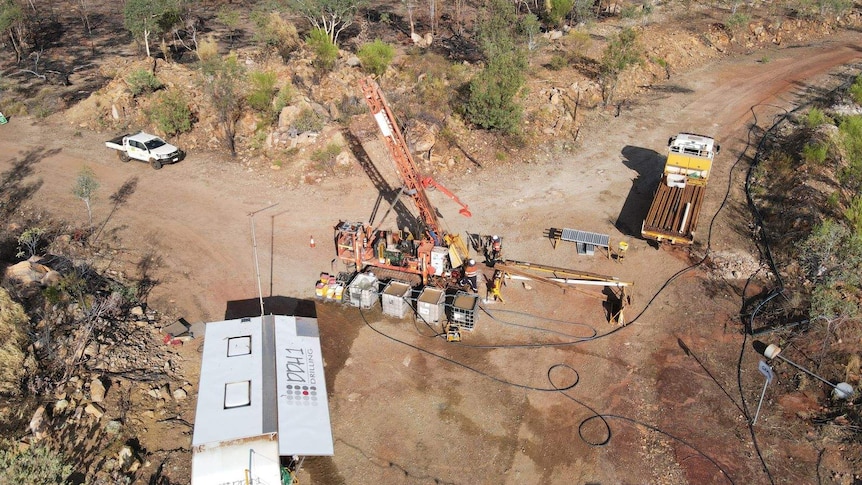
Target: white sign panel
303 410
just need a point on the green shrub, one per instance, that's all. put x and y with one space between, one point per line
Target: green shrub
13 323
558 10
171 113
631 11
853 213
736 21
142 81
34 464
325 51
851 139
492 94
262 91
28 242
557 62
856 90
584 11
816 117
815 153
230 18
271 30
325 157
830 302
491 103
308 120
376 56
285 95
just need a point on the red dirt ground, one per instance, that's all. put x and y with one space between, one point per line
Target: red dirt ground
408 408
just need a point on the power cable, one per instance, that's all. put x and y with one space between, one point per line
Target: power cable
554 387
604 417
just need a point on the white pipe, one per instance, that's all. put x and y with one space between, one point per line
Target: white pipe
684 218
570 281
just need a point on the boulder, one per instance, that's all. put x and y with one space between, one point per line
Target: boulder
333 110
288 116
113 427
60 407
51 278
422 41
125 456
180 394
344 159
38 424
27 273
94 410
97 390
420 136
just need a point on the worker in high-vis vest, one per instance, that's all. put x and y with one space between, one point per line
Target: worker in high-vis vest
496 248
471 273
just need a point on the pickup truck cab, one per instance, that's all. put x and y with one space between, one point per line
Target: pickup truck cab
146 148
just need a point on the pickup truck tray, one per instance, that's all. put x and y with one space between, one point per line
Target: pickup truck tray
116 143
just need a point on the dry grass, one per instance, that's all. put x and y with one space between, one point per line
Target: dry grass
12 337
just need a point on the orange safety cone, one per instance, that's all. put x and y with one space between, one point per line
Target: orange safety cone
311 241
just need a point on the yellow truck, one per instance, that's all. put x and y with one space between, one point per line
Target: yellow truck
673 214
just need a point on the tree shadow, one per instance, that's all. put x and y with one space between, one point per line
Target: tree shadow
648 165
13 190
147 265
118 199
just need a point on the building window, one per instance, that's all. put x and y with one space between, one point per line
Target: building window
239 346
237 394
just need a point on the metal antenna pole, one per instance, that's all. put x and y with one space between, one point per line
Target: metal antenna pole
764 369
254 246
762 394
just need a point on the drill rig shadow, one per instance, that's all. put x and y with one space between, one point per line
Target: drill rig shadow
426 249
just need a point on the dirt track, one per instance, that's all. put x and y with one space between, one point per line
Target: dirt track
401 415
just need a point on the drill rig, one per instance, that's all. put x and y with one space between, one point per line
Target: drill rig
431 253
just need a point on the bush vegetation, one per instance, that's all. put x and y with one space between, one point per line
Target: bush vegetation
262 91
222 84
824 238
325 50
856 91
29 241
272 30
171 113
142 81
816 117
35 464
376 57
623 50
850 130
736 21
308 120
557 11
831 255
283 98
815 153
325 157
491 99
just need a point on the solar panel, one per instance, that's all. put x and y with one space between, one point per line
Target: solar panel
584 237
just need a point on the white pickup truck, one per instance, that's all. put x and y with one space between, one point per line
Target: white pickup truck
146 148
